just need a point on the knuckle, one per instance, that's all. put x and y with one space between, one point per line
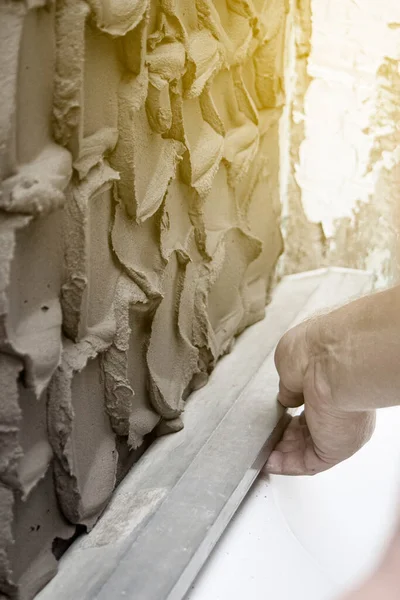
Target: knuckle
282 351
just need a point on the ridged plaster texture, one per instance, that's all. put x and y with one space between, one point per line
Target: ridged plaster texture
139 230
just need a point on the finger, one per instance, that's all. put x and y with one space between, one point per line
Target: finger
290 434
291 360
295 428
295 453
274 463
299 462
288 398
292 441
286 446
294 437
286 464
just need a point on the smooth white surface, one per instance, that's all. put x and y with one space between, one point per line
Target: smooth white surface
310 538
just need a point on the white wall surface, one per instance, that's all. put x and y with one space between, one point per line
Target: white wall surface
310 538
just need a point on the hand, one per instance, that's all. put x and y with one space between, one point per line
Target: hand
385 582
324 434
381 586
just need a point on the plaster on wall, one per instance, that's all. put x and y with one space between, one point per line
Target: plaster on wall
139 163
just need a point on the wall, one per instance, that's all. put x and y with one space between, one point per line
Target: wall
139 167
343 191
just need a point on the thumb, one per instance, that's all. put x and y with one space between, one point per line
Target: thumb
288 398
291 361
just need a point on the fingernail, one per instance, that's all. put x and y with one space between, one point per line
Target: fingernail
273 465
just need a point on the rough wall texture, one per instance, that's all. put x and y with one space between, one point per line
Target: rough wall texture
139 229
342 200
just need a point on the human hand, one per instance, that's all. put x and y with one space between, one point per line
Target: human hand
384 583
382 586
325 433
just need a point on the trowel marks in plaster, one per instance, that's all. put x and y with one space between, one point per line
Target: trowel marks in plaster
139 162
